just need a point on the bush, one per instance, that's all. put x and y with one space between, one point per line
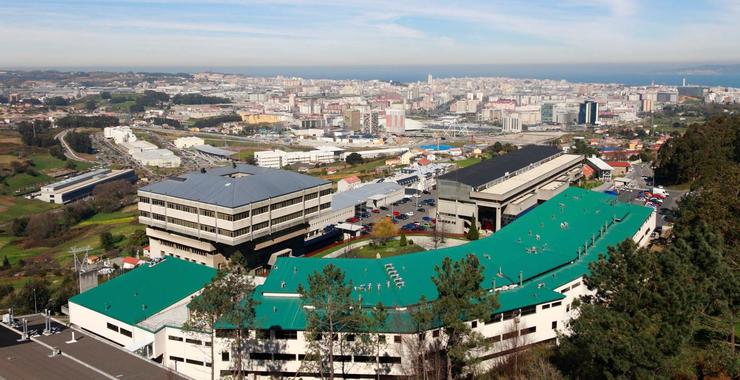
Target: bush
403 242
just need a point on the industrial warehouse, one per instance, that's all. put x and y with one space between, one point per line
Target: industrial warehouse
535 266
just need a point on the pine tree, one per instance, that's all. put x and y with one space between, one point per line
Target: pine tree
473 233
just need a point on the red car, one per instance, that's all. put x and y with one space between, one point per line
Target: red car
396 213
376 211
353 219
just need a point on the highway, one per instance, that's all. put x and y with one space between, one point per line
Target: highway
67 150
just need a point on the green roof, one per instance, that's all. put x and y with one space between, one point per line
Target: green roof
146 290
542 245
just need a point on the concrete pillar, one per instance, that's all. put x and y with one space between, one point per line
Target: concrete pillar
498 218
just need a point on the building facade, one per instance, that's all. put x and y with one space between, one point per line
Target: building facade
206 217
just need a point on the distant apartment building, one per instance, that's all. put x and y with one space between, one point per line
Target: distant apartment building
546 113
588 113
81 186
511 123
205 217
395 120
352 120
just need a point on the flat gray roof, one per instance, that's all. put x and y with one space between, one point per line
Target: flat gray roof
214 151
234 186
362 194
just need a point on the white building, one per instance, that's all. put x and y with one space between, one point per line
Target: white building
188 141
81 186
277 158
120 134
163 158
535 267
511 124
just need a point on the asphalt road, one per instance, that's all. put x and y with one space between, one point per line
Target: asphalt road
67 150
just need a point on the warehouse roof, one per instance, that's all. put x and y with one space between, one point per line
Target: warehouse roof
497 167
234 186
209 149
146 290
549 247
362 194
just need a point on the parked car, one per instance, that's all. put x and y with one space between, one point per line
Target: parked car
376 211
410 213
420 209
353 219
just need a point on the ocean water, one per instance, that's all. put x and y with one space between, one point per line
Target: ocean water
629 74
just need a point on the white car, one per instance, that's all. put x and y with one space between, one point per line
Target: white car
410 213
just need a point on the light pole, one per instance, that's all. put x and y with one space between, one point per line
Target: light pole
35 306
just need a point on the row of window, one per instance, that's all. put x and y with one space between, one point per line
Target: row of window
577 284
189 361
287 202
202 227
182 247
120 330
181 207
512 334
189 340
285 218
384 359
549 305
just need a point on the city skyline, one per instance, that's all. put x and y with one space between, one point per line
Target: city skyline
357 32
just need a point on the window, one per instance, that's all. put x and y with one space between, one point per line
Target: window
287 202
176 359
325 206
144 200
310 196
554 325
175 338
159 217
547 306
474 324
145 214
181 222
325 192
260 226
208 344
127 333
312 210
208 213
196 362
112 327
381 339
288 217
225 356
509 335
184 208
158 202
193 341
283 357
529 330
389 360
286 334
263 334
260 210
207 228
435 333
350 337
556 304
529 310
494 339
397 339
260 356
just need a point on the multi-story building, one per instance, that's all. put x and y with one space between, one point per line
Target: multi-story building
588 113
206 216
395 120
81 186
511 124
534 266
494 192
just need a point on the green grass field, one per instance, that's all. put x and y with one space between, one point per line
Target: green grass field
391 248
13 207
467 162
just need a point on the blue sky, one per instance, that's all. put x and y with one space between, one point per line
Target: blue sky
365 32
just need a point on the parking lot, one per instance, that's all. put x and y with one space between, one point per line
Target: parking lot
420 211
